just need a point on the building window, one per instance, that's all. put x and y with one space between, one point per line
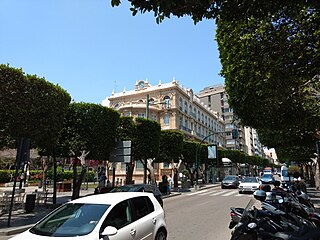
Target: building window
151 101
141 115
185 107
126 113
139 165
180 104
166 120
231 141
166 102
123 166
154 117
166 165
209 99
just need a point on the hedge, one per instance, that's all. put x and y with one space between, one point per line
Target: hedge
35 175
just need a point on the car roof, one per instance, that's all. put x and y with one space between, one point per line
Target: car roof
137 185
110 198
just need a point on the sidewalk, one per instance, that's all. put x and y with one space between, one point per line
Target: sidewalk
21 221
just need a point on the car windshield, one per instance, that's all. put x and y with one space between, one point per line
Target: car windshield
230 178
71 220
249 180
127 189
267 176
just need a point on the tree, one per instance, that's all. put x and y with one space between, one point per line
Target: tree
260 52
89 129
189 158
146 141
30 107
171 145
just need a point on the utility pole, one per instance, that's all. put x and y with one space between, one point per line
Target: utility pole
147 107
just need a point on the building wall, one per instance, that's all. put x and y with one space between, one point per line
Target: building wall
174 107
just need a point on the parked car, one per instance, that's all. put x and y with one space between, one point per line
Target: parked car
249 184
113 216
267 178
141 188
230 181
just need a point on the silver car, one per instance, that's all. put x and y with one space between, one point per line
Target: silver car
230 181
113 216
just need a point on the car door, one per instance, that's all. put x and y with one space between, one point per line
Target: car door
121 218
143 216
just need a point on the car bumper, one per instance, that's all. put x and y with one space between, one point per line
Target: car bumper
248 189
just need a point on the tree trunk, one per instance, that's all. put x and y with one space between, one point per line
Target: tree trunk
77 182
130 173
151 171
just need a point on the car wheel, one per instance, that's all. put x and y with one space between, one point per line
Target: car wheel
222 187
161 235
240 192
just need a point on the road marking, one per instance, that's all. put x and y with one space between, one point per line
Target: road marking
207 193
198 192
229 193
218 193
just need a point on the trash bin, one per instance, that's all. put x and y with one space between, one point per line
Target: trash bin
30 202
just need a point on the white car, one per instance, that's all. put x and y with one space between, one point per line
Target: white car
249 184
113 216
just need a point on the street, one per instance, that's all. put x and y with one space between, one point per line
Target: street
202 215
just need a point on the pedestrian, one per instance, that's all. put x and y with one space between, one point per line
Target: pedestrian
169 184
165 184
102 180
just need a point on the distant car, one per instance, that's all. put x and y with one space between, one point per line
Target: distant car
267 178
141 188
230 181
113 216
249 184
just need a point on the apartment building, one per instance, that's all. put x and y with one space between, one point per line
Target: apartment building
248 142
174 107
216 98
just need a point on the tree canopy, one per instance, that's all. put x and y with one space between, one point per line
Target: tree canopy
30 107
171 145
89 127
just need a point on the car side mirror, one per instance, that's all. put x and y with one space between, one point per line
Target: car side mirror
109 231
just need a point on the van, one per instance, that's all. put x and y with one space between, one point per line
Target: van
284 174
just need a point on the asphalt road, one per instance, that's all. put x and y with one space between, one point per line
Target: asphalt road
202 215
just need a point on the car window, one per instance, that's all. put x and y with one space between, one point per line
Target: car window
250 180
119 216
71 220
142 206
230 178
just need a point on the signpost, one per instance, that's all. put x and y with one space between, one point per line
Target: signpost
121 153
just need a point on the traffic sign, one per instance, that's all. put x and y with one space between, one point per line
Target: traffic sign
121 153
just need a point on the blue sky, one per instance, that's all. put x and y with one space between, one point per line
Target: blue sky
89 48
